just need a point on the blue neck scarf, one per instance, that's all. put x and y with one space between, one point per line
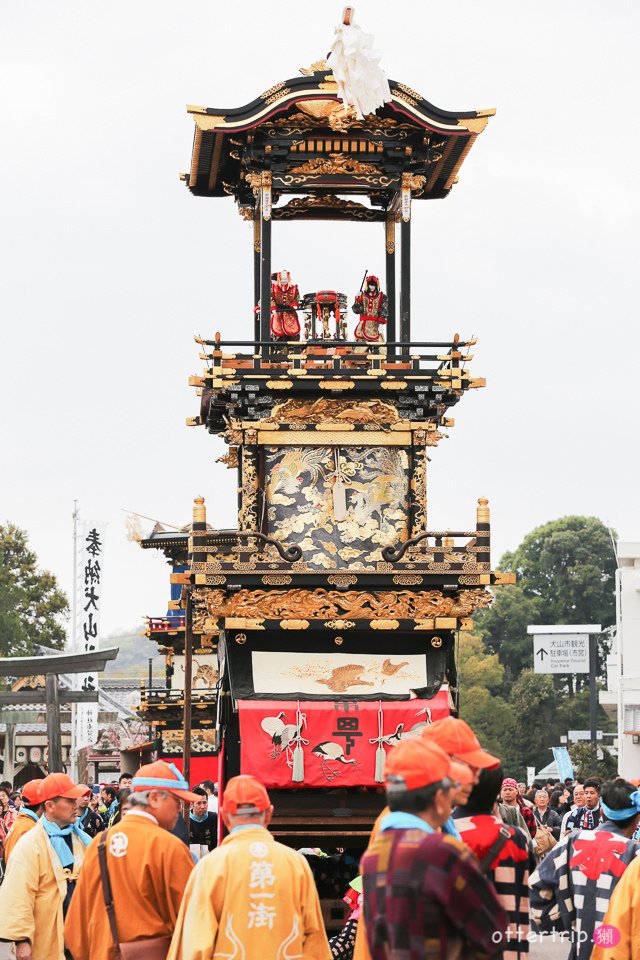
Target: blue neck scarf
404 821
30 813
57 834
202 819
408 821
83 816
450 829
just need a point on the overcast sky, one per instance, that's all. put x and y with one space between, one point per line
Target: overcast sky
109 266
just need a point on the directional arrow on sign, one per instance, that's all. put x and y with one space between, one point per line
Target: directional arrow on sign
542 653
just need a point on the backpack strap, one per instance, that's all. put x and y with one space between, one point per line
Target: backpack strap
504 834
106 892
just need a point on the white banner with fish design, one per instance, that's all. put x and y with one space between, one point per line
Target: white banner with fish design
335 673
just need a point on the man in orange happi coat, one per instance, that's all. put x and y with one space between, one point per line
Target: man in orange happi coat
148 870
32 807
250 897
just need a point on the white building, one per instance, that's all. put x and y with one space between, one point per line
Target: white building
623 664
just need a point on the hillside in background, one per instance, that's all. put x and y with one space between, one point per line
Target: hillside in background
133 658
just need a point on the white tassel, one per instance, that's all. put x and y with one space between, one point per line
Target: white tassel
297 772
380 752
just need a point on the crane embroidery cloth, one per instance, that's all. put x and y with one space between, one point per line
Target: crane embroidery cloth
339 740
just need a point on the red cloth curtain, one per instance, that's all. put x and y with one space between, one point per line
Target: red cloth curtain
338 739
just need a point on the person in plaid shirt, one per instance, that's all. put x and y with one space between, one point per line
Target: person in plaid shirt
571 889
425 896
506 854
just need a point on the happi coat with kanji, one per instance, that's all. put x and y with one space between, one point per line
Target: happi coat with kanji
572 886
250 897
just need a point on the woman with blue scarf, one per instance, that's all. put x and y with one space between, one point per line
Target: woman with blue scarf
42 873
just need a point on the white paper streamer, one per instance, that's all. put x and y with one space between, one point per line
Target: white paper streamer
355 65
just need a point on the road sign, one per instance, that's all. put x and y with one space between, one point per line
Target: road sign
582 735
561 653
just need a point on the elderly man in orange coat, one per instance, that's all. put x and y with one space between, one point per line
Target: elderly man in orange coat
146 870
32 807
42 873
251 897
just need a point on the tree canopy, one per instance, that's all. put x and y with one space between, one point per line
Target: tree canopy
566 574
33 608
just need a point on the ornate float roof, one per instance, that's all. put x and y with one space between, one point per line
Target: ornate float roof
301 133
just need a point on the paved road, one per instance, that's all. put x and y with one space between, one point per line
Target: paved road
546 949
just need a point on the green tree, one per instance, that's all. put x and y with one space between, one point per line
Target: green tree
480 676
586 765
492 719
32 606
566 574
534 702
503 628
476 667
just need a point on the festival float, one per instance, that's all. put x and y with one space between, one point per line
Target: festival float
332 611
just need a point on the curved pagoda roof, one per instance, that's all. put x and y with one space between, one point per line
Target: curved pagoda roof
300 134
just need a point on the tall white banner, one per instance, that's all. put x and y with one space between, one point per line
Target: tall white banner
89 579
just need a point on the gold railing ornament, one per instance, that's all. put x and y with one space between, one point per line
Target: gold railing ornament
199 511
483 513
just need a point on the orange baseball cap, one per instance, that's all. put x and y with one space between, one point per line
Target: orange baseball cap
163 776
458 739
245 795
32 792
61 785
414 763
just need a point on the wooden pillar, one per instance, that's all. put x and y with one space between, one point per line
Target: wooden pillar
188 672
248 517
9 752
390 262
53 724
265 258
405 263
256 270
198 555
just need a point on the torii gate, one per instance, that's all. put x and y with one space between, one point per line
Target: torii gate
52 667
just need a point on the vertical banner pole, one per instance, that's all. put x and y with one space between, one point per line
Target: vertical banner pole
593 696
188 671
73 645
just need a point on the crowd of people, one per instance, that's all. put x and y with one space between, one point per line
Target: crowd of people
463 862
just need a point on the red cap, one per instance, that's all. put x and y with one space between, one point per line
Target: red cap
458 739
163 776
61 785
245 795
32 792
415 763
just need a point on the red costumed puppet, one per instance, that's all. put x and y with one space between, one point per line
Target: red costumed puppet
371 304
285 299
